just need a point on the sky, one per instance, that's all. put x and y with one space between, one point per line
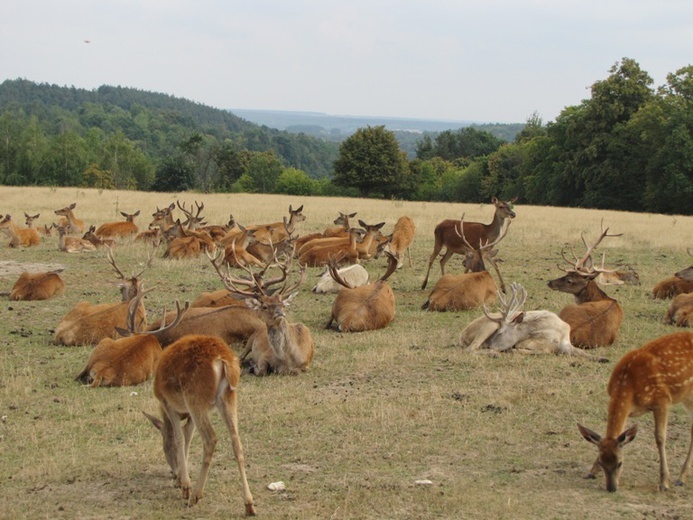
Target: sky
487 61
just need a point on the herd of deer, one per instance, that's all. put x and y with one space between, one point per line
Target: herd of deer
194 369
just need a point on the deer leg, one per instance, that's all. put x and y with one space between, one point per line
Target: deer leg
188 430
683 477
229 411
436 249
181 470
660 416
444 260
209 442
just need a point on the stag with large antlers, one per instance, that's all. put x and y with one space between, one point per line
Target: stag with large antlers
595 318
195 374
131 359
87 324
368 307
446 234
649 379
527 332
279 346
471 289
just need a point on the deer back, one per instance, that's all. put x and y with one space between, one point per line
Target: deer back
38 286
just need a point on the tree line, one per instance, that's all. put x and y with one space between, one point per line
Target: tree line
629 146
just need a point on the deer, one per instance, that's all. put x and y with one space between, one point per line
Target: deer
279 346
341 229
72 244
348 250
354 275
471 289
525 332
236 252
368 307
680 283
69 221
401 239
98 242
189 244
595 318
87 324
44 230
130 359
163 219
195 374
680 311
278 231
476 233
38 286
19 237
648 379
627 276
121 229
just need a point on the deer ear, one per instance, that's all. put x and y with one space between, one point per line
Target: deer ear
627 435
589 435
253 304
288 299
519 318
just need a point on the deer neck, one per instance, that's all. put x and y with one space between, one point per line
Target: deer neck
279 336
591 293
620 407
495 227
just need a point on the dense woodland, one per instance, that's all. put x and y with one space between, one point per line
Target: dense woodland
629 146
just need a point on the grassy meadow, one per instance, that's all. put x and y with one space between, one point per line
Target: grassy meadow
377 411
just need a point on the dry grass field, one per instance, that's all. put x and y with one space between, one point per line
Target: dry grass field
377 411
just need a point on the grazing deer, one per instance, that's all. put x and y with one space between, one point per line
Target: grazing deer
122 229
193 375
477 233
87 324
38 286
19 237
279 346
401 239
354 275
72 244
471 289
595 318
648 379
68 220
526 332
131 359
98 242
368 307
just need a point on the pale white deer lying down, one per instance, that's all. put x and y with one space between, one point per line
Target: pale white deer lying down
355 275
648 379
527 332
129 360
195 374
277 346
369 307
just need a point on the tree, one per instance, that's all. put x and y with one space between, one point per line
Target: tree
174 174
371 161
295 182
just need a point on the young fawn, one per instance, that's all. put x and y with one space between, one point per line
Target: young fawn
650 378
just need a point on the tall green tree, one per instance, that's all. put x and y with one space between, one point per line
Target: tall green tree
371 161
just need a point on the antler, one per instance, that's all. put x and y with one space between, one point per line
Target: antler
482 247
509 305
585 264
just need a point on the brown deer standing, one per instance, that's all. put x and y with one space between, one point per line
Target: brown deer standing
471 289
476 233
649 379
595 318
123 229
87 324
368 307
19 237
69 221
38 286
131 359
401 239
279 346
193 375
526 332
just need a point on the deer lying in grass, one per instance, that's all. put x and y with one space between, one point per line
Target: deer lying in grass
72 244
72 224
680 283
354 275
121 229
279 346
401 239
91 236
19 237
680 312
131 359
477 233
341 230
471 289
194 375
87 324
527 332
619 277
38 286
368 307
595 318
648 379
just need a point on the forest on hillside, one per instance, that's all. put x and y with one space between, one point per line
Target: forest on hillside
629 146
